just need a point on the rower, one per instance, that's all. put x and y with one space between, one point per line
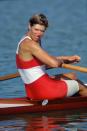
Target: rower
32 60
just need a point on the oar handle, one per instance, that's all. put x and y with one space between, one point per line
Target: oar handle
74 67
10 76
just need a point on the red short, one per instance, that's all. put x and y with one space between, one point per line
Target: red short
46 88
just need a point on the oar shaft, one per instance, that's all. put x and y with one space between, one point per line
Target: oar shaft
74 67
10 76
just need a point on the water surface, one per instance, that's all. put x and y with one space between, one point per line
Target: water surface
66 35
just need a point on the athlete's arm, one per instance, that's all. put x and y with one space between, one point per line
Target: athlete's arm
35 49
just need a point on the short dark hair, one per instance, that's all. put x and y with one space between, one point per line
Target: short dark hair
38 19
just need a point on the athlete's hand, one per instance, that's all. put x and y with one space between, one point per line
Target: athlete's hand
72 59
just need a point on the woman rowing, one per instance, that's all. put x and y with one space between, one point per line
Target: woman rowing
32 60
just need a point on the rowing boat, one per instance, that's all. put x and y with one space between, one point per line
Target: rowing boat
24 105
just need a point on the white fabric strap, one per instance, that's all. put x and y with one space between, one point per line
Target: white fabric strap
32 74
21 41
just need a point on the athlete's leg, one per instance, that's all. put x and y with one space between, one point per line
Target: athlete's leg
67 76
82 88
72 76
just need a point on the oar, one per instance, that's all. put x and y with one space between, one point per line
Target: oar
9 76
67 66
74 67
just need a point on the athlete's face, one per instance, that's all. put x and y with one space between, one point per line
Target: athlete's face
37 31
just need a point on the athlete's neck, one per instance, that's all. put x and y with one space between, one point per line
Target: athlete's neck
28 34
